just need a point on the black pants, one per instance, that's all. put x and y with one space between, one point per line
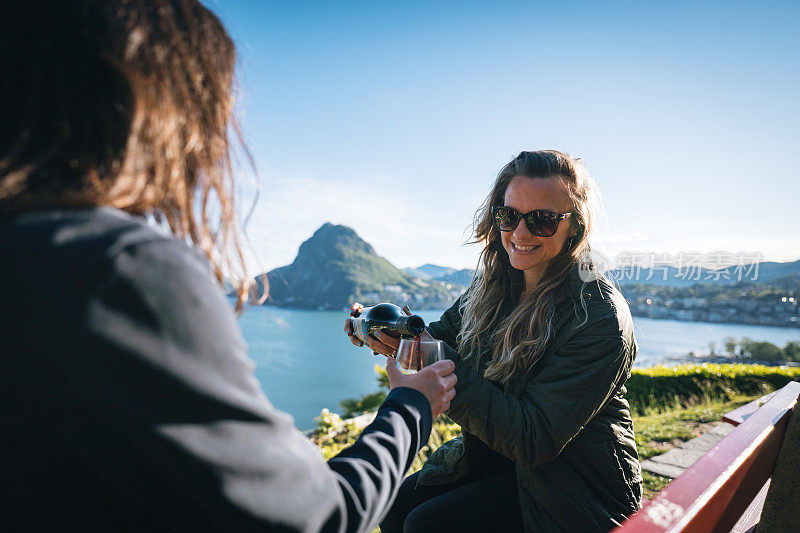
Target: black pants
474 503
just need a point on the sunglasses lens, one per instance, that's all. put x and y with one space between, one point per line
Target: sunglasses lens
505 219
542 223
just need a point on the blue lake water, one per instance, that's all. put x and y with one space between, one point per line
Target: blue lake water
306 363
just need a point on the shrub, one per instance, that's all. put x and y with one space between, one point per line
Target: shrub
370 402
354 407
662 387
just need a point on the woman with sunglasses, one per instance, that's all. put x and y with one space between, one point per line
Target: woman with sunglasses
542 352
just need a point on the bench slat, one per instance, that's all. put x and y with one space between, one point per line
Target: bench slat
721 484
739 415
753 512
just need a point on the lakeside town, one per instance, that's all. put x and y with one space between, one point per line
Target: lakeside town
782 311
767 305
777 308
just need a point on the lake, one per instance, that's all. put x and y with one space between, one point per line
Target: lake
306 363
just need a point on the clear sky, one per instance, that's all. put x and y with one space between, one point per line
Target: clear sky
394 118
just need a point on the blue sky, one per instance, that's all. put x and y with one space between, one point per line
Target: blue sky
394 118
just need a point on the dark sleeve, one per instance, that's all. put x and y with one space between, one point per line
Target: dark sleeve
447 327
191 434
573 385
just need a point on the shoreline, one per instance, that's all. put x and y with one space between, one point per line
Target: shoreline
795 325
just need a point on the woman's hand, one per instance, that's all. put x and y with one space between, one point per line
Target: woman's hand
380 342
436 382
385 344
355 310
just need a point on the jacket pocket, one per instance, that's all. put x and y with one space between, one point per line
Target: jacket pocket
445 465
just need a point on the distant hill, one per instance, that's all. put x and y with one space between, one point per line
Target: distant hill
441 273
770 270
435 271
666 276
414 273
670 276
459 277
336 267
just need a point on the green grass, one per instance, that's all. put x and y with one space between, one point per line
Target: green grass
669 405
659 431
663 388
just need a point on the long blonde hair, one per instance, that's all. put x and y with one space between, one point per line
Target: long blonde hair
520 329
128 104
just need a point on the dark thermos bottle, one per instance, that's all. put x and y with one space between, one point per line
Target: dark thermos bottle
387 318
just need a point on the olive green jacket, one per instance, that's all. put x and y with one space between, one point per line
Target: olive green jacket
566 424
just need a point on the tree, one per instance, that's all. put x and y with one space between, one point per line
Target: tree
745 347
766 351
369 402
730 345
792 351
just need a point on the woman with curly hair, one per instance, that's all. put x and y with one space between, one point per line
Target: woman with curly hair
543 345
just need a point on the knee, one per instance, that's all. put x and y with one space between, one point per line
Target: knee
406 500
393 521
419 520
399 520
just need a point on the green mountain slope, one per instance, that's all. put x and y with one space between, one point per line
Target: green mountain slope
336 267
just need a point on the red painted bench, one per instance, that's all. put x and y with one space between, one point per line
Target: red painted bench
737 416
726 488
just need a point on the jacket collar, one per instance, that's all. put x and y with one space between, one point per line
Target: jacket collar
591 287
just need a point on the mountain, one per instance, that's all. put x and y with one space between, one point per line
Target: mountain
435 271
440 273
661 276
336 267
459 277
771 270
670 276
414 273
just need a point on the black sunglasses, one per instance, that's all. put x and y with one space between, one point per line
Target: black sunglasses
540 222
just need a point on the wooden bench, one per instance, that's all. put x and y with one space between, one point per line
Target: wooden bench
727 487
737 416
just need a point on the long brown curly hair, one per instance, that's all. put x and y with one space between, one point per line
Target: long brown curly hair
520 327
124 103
